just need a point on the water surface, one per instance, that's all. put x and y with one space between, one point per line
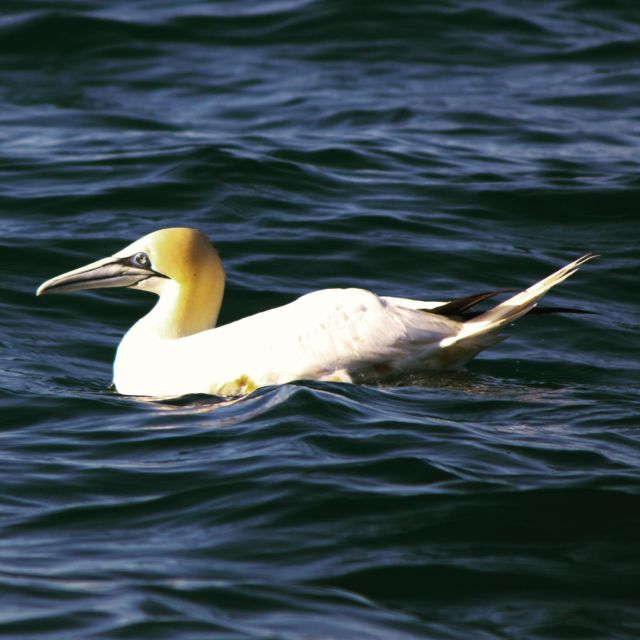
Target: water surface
417 149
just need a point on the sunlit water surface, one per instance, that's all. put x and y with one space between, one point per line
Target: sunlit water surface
418 149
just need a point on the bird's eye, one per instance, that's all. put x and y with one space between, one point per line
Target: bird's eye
141 259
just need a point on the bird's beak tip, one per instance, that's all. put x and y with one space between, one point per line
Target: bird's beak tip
42 289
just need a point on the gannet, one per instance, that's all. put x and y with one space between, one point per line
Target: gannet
345 335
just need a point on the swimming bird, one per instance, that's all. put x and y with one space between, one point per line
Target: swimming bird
346 335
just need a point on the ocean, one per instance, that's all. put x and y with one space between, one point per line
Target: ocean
419 149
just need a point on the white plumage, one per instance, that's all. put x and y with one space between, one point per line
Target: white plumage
333 334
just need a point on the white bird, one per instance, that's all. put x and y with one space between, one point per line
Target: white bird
347 335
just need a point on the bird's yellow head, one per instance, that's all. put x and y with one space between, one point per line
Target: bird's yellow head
179 264
182 254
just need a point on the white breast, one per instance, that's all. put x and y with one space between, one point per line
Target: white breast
339 333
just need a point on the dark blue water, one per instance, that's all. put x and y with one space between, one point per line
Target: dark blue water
418 149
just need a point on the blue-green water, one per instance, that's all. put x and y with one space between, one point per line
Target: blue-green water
417 149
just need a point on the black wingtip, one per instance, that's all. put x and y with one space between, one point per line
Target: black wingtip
457 307
542 310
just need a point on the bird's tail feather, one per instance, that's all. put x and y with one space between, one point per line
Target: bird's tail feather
491 321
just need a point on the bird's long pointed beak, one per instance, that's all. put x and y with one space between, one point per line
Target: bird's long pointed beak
107 272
